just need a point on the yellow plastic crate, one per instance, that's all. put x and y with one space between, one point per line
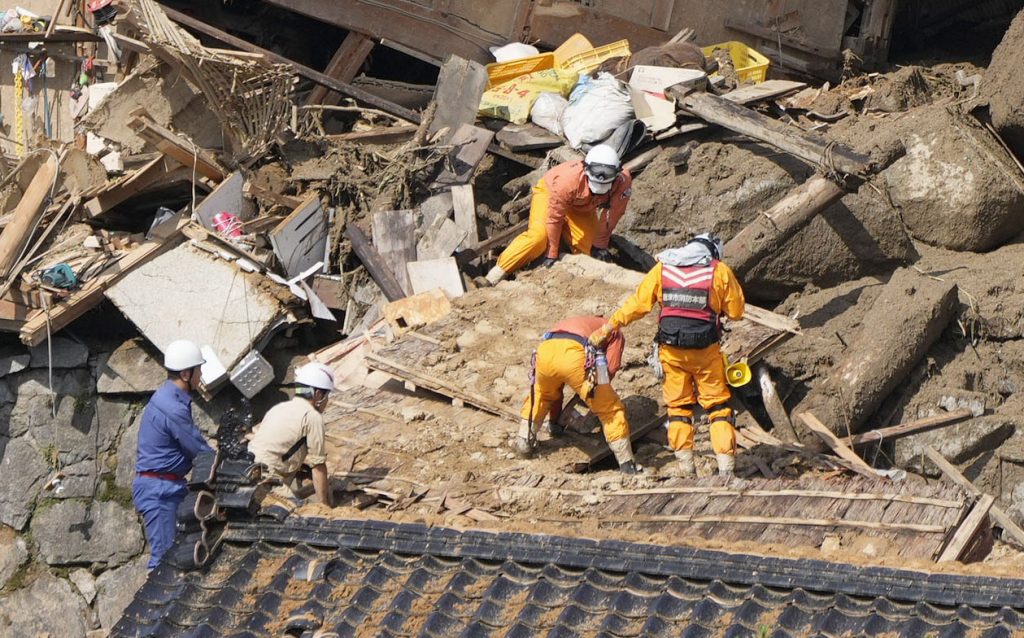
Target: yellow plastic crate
750 65
501 72
589 60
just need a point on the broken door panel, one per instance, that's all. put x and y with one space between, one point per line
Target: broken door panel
300 240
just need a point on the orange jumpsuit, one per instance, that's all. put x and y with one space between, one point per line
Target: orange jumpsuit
563 206
560 362
685 366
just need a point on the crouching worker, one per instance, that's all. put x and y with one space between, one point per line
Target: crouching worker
694 290
291 434
564 357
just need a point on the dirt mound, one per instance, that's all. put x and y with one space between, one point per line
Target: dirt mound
899 91
1003 86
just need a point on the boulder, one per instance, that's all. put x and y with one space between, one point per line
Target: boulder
24 471
62 353
1003 86
116 588
959 442
127 450
72 532
13 554
130 369
114 416
72 393
48 607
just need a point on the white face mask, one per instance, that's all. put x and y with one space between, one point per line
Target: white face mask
598 188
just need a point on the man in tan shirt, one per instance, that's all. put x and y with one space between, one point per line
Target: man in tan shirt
292 433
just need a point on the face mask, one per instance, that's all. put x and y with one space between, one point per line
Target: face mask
598 188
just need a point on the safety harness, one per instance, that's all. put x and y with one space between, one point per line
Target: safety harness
589 367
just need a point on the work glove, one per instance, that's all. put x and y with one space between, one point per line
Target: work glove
549 262
601 254
599 336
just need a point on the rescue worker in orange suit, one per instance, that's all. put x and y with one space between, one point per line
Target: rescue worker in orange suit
580 201
565 357
694 290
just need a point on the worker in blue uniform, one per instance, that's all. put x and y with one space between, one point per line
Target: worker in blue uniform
168 441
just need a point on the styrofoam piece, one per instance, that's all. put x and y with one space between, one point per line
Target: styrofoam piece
655 79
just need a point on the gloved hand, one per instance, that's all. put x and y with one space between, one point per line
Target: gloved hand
601 254
549 262
599 336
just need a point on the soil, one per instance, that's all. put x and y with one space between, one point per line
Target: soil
1003 86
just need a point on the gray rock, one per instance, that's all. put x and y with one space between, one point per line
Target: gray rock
13 554
13 359
72 394
127 450
24 471
48 607
85 582
79 480
6 394
113 416
129 370
116 588
71 532
959 442
65 353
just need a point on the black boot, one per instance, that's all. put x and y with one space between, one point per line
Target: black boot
629 467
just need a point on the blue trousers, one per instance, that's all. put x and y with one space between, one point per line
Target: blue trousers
157 500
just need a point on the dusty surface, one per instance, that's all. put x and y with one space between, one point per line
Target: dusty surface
1003 86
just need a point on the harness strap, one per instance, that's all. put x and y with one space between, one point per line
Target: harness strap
293 449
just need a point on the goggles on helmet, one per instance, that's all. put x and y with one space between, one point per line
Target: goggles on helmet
602 173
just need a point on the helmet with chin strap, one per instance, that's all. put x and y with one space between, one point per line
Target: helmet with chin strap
709 240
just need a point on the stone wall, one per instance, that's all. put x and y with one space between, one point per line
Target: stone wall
72 547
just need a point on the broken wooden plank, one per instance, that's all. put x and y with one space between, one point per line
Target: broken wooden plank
836 445
912 427
470 144
460 85
967 530
383 135
772 520
441 273
344 66
159 170
440 239
482 247
182 150
527 137
1001 518
417 310
44 322
464 206
818 151
26 216
773 404
373 263
300 240
394 236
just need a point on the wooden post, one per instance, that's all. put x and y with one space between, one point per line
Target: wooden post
1001 518
810 148
773 228
840 448
374 263
968 529
912 427
343 67
25 216
773 404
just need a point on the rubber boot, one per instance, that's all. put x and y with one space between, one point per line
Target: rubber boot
495 275
623 452
726 463
685 458
521 445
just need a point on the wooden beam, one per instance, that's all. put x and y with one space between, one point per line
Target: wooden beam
374 263
967 530
911 427
182 150
1001 518
772 520
773 228
343 67
773 404
385 135
394 238
813 149
26 216
310 74
840 448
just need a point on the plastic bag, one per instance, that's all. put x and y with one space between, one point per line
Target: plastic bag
596 108
513 51
547 112
513 100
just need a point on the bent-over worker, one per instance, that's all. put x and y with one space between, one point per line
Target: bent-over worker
582 201
168 442
565 357
694 290
291 433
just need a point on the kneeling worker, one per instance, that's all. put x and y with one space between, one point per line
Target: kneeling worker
580 200
291 434
565 357
694 290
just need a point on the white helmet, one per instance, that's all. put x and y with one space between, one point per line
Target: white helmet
315 375
182 355
713 243
602 167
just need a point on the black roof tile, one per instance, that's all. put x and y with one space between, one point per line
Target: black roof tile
343 577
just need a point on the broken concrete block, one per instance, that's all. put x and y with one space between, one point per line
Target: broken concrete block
899 328
113 162
213 302
62 353
959 442
130 369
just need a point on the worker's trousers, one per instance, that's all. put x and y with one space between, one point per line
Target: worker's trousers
579 232
157 500
560 363
703 367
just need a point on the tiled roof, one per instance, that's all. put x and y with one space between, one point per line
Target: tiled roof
323 578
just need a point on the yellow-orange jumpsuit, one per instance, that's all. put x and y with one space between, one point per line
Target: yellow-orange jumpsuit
563 205
560 362
685 366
